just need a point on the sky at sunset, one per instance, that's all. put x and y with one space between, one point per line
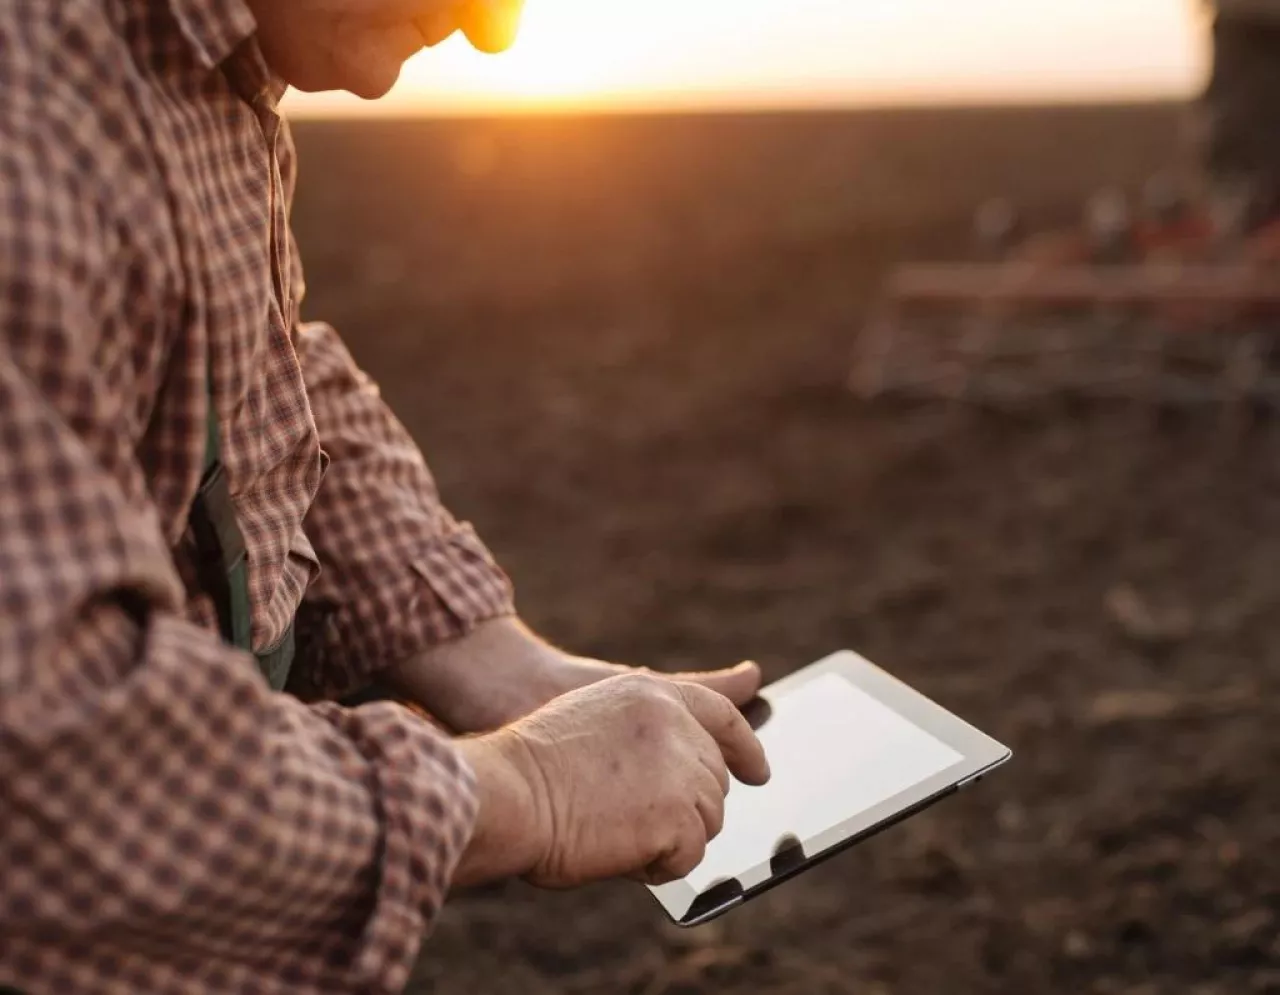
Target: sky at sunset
749 53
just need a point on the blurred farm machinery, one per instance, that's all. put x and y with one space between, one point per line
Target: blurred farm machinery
1151 298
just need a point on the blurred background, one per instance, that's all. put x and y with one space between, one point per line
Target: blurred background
619 283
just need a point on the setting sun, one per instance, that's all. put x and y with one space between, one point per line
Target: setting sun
554 56
571 52
664 53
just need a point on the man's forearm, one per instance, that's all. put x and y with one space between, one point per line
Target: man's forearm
499 670
503 671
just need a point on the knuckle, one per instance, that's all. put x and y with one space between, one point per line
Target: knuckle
715 815
661 709
631 683
683 865
641 706
674 810
719 713
642 688
725 713
691 854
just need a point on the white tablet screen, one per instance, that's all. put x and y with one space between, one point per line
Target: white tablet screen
835 752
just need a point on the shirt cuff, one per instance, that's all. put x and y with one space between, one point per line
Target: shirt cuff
426 794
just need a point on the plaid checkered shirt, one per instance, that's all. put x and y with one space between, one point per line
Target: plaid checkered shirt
167 824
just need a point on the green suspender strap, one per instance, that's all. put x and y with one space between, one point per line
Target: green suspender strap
223 560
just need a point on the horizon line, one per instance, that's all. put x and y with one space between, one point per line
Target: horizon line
612 106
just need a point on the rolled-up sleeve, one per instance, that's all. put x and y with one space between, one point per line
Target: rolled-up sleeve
399 574
163 815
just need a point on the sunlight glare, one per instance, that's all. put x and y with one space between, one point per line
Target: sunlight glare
684 53
570 49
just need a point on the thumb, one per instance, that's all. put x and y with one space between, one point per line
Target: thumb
739 684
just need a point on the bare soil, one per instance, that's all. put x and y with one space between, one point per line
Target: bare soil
623 344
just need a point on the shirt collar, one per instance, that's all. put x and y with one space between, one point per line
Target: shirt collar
215 28
221 32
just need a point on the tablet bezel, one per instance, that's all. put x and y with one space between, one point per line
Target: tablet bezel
979 754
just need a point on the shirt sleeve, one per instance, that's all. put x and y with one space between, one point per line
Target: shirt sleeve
163 815
398 573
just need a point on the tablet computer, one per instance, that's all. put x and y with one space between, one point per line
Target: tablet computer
853 750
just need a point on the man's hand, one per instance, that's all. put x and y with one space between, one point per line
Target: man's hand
502 672
624 777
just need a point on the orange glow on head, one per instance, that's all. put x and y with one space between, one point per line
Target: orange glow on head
610 53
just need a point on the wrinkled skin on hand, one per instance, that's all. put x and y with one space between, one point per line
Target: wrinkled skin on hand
623 777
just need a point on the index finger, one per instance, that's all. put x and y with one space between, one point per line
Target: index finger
733 734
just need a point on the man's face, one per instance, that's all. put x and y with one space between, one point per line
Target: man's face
360 45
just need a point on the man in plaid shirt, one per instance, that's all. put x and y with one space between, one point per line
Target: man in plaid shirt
203 501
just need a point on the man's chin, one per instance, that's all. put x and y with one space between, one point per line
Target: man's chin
372 89
367 83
